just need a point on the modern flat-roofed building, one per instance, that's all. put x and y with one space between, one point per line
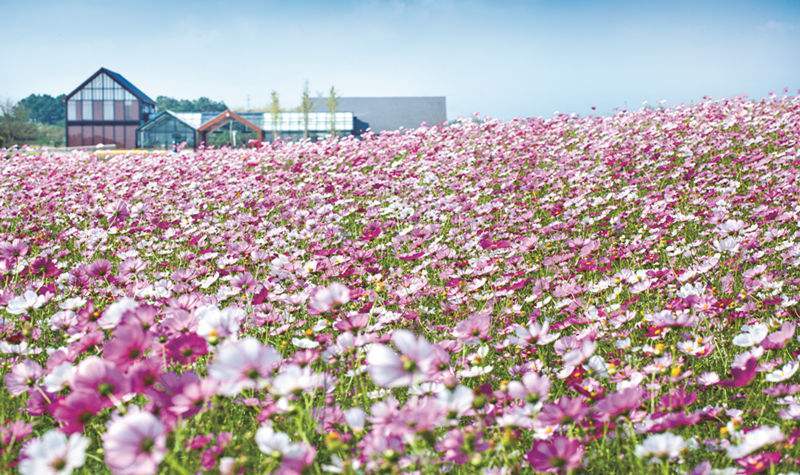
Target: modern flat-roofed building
389 113
106 109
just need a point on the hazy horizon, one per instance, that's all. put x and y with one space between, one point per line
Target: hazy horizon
507 60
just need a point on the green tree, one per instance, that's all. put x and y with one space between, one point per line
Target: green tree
275 112
15 128
202 104
333 102
305 107
44 108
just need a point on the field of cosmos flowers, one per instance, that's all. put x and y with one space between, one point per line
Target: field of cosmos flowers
571 295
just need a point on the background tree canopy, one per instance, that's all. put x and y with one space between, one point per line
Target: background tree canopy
15 127
44 108
202 104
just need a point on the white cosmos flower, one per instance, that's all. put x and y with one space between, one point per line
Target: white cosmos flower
661 446
214 324
113 314
782 374
390 370
534 333
458 401
209 281
751 335
729 244
59 378
53 453
63 320
73 303
22 303
277 444
294 379
304 343
355 418
754 440
598 366
474 371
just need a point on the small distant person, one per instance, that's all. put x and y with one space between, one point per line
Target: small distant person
175 147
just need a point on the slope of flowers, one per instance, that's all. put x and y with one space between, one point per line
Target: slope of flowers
590 295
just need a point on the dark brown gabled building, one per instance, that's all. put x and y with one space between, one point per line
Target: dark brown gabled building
106 109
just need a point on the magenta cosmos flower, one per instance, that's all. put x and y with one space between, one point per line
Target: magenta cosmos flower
135 443
557 455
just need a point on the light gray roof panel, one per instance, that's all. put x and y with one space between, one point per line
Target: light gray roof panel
389 113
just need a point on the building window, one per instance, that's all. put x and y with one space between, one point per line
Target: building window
72 113
87 110
97 110
131 111
108 110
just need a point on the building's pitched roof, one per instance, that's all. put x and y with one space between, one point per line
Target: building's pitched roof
389 113
224 117
129 86
119 78
180 117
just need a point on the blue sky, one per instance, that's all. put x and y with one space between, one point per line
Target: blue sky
499 58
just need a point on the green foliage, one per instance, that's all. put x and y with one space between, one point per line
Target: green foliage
305 107
275 111
333 102
15 128
202 104
50 135
44 108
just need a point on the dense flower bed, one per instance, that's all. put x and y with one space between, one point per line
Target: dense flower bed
599 294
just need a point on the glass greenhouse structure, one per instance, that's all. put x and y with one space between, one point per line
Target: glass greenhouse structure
165 130
231 128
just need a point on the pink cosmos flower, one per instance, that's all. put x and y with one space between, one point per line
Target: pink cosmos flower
531 389
129 344
134 443
324 299
185 349
144 374
458 445
474 328
564 411
77 409
23 376
242 365
619 402
102 377
99 269
557 455
741 375
390 370
778 339
193 398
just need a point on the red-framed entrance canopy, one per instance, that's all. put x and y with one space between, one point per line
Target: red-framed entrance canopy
223 119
